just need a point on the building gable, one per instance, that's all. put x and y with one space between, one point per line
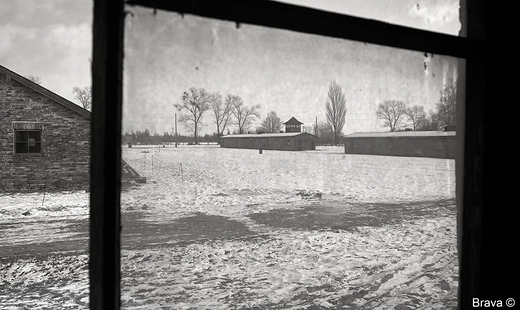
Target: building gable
13 76
44 139
294 121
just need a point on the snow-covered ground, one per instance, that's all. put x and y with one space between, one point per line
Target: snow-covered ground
227 181
243 230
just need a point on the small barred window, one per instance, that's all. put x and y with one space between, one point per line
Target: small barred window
27 141
27 137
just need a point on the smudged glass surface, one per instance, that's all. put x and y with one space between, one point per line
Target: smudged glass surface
216 227
441 16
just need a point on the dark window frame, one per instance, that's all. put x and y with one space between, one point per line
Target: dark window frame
20 127
27 142
487 38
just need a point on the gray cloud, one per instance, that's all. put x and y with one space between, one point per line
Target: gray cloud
51 39
57 53
37 13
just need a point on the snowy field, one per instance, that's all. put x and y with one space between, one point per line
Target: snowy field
234 229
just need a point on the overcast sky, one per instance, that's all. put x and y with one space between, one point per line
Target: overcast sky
283 71
51 39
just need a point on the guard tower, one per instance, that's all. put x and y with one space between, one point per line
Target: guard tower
293 125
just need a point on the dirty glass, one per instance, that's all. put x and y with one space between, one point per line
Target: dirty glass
244 216
441 16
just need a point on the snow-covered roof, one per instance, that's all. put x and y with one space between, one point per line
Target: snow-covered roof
268 135
397 134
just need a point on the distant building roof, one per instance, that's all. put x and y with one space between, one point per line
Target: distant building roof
268 135
293 120
397 134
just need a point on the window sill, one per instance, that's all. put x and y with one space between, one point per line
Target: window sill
27 154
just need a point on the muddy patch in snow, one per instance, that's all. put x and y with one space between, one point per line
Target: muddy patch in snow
199 227
36 238
337 215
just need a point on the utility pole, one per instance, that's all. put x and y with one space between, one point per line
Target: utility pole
316 133
176 136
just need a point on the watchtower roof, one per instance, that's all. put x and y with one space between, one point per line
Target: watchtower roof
293 121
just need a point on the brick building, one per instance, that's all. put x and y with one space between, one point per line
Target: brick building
291 140
434 144
44 138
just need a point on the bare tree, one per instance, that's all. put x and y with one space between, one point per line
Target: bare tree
324 133
84 96
391 111
272 123
36 79
447 106
431 122
195 101
243 114
336 110
416 115
308 129
222 111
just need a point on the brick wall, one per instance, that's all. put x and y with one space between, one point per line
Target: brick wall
64 161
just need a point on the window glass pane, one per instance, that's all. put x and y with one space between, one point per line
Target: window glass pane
28 141
36 135
21 135
22 147
437 16
35 148
365 220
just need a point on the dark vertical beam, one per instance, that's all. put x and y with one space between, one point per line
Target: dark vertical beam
470 158
471 161
487 237
106 155
499 224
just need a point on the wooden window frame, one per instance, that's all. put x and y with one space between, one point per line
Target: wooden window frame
482 217
28 153
21 126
